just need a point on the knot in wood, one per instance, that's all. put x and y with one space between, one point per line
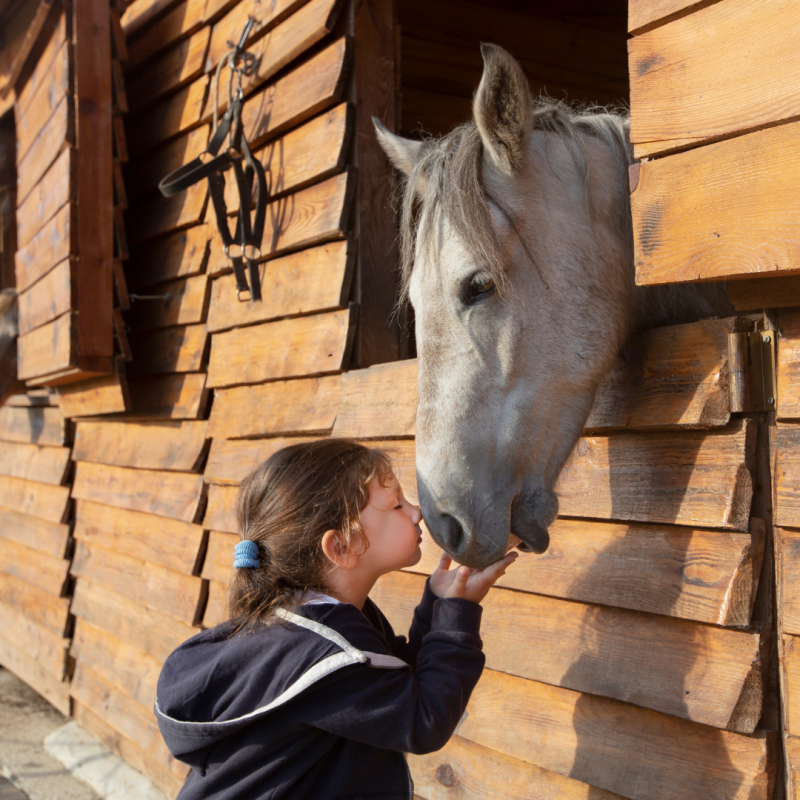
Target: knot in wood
446 775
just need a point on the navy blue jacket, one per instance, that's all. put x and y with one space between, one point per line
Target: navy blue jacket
321 705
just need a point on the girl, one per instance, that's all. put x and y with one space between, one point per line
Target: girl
306 692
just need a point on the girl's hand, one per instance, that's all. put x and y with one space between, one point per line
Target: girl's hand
471 584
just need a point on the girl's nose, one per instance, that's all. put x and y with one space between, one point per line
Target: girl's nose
416 515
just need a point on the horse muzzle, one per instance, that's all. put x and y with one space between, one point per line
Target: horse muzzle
531 516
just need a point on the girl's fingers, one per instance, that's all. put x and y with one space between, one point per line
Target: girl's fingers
444 562
459 585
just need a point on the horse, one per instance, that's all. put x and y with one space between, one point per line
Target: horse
516 253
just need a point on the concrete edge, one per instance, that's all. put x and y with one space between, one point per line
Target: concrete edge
93 763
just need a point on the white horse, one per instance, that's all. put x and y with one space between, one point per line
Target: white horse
517 256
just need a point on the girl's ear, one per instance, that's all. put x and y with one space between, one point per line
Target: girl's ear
337 550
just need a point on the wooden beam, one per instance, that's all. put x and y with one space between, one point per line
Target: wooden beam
52 348
179 255
220 514
218 563
182 396
31 672
217 606
788 365
28 43
49 503
644 15
754 294
51 538
54 295
108 394
40 606
39 425
35 462
46 572
787 472
55 242
176 26
230 461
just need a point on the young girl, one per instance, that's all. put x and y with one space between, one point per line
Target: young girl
307 692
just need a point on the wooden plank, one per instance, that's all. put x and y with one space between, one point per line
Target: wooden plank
47 648
643 15
129 751
149 445
788 577
104 395
179 66
185 302
169 542
151 631
180 23
755 294
180 255
152 585
707 214
150 169
57 187
120 140
57 134
315 150
51 538
788 365
55 242
48 349
54 295
305 91
41 425
681 74
40 73
587 738
33 398
35 462
120 94
48 573
123 299
217 607
169 117
791 667
28 669
119 46
178 349
709 675
44 101
167 494
792 756
220 510
317 279
40 606
463 770
283 407
181 396
367 410
159 214
37 499
230 461
139 14
787 471
132 671
218 563
300 346
687 478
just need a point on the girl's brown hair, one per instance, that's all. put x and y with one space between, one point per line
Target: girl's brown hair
286 506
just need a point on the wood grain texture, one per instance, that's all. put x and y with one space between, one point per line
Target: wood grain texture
217 607
587 738
788 577
755 294
218 564
51 297
790 663
787 475
51 538
220 514
57 187
176 495
183 21
463 770
646 14
29 670
284 407
678 667
39 425
48 349
719 211
187 304
40 606
317 279
40 73
788 364
152 585
687 478
170 350
312 152
308 89
792 756
181 396
156 215
312 345
48 573
151 631
378 402
35 462
230 461
37 499
45 647
55 242
108 394
138 15
180 255
148 445
168 542
687 78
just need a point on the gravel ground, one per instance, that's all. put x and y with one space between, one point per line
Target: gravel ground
25 719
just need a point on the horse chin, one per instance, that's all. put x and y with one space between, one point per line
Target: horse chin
531 516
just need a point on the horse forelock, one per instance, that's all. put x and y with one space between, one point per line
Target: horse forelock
447 180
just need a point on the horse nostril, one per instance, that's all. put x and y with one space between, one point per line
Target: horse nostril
456 532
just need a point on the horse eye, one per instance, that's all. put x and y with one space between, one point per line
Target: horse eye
480 287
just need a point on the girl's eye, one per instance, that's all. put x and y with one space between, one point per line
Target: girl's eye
398 506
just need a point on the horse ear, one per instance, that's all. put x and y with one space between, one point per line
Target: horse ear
502 109
403 153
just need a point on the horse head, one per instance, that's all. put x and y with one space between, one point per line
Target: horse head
517 256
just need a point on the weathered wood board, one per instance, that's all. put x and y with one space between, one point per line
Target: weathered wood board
44 426
48 573
185 302
719 211
308 405
179 255
49 349
28 669
788 366
51 538
185 20
169 542
646 14
52 296
311 345
787 543
181 348
40 500
217 606
232 460
167 494
786 475
55 241
34 462
755 294
181 396
218 564
48 649
156 215
40 606
220 510
107 394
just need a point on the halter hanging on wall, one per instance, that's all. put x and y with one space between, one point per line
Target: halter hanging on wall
244 246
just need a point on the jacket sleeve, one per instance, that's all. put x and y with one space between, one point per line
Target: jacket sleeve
400 709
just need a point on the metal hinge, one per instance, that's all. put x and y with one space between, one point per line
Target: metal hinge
751 369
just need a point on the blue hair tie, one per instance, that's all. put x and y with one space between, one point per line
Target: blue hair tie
245 555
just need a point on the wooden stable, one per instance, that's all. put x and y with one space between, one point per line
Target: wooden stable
653 652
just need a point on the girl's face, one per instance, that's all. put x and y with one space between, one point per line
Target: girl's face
391 525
